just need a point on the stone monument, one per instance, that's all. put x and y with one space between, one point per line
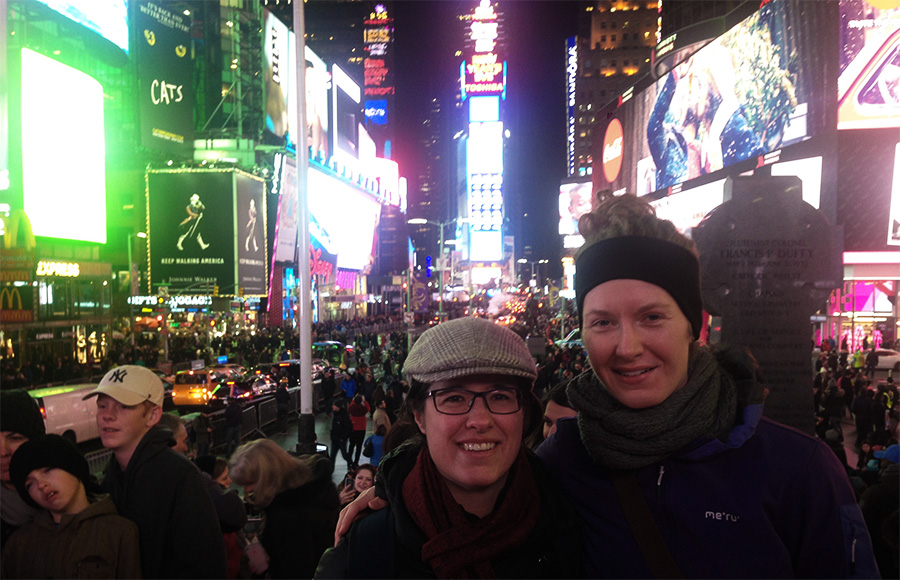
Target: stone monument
768 261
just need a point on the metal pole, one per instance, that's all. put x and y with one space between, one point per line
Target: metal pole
306 425
130 293
441 280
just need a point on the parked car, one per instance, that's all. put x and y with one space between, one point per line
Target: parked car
195 387
65 413
888 359
247 387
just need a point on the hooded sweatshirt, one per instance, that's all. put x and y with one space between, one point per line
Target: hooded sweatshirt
94 543
164 494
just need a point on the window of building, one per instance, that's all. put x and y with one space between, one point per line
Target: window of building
603 25
612 24
613 37
602 38
613 63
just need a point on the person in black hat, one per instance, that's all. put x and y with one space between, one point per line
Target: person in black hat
20 420
77 533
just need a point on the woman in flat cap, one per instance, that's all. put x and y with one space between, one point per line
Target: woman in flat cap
466 499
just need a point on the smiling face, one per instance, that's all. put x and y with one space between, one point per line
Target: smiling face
57 491
363 480
123 426
473 452
638 340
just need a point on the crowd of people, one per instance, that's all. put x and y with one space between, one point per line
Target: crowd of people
644 453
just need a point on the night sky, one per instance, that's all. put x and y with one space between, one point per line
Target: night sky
535 109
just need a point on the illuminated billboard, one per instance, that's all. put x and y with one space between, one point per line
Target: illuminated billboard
484 168
571 77
484 70
752 91
205 228
869 81
278 64
346 218
575 200
63 150
347 110
318 81
288 210
165 72
109 19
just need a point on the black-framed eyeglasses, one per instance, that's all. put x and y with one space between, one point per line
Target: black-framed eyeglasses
458 401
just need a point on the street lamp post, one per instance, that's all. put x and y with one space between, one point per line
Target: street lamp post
440 225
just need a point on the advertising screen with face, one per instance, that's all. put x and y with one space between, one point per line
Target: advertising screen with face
755 89
574 202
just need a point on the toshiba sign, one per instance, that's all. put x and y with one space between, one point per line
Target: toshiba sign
612 151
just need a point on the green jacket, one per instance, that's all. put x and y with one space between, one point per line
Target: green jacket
95 543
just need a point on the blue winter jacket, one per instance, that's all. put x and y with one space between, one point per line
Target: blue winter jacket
771 502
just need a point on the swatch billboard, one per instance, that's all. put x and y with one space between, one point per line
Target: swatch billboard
207 228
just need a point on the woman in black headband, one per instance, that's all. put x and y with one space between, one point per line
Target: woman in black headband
670 461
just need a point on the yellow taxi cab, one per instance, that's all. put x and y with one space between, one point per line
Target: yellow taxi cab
195 387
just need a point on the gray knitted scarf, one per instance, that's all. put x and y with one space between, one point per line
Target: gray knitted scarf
621 438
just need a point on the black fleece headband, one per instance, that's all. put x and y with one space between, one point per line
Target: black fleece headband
671 267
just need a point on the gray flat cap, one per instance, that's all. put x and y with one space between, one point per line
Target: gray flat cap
468 346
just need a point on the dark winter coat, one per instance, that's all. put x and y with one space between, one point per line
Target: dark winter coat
766 502
341 426
553 550
299 527
164 494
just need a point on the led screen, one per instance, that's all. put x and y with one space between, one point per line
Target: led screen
484 109
346 218
687 208
574 202
63 153
250 202
869 82
109 18
485 147
347 115
753 90
288 211
317 126
278 61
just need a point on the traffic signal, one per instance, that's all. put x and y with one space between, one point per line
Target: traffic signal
216 290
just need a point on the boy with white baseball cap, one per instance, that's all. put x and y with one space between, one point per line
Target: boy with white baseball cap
152 485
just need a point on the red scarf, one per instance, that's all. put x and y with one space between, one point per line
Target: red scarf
458 547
